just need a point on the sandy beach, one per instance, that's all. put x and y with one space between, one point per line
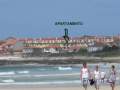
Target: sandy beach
53 88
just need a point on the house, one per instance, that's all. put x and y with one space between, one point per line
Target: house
96 47
18 48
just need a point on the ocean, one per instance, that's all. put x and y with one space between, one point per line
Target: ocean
46 75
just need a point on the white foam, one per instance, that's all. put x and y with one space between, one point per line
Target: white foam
12 82
23 72
53 75
44 75
8 81
64 68
7 73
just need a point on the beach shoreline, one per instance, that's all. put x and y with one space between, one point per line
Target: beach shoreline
54 88
11 60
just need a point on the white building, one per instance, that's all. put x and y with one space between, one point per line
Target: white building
95 47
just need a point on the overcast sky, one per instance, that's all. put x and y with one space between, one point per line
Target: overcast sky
36 18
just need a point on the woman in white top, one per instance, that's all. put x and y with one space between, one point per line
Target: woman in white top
84 75
97 77
112 77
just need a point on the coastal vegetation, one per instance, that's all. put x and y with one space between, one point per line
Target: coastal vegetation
108 52
105 52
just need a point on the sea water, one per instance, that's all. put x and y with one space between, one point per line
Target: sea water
34 74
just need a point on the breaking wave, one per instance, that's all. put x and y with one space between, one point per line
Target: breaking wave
7 73
64 68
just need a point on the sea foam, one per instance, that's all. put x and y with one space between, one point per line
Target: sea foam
7 73
8 81
23 72
64 68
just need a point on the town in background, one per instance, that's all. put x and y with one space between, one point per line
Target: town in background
30 47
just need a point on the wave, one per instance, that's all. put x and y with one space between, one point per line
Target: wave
42 69
8 81
44 75
12 82
7 73
23 72
64 68
53 75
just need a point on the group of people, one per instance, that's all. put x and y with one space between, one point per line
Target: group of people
96 77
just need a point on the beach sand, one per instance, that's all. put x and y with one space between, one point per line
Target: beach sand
54 88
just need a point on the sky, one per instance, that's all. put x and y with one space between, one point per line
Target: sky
36 18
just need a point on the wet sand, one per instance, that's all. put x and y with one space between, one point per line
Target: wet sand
55 88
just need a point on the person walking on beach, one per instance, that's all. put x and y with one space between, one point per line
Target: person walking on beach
103 75
97 77
84 75
112 77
